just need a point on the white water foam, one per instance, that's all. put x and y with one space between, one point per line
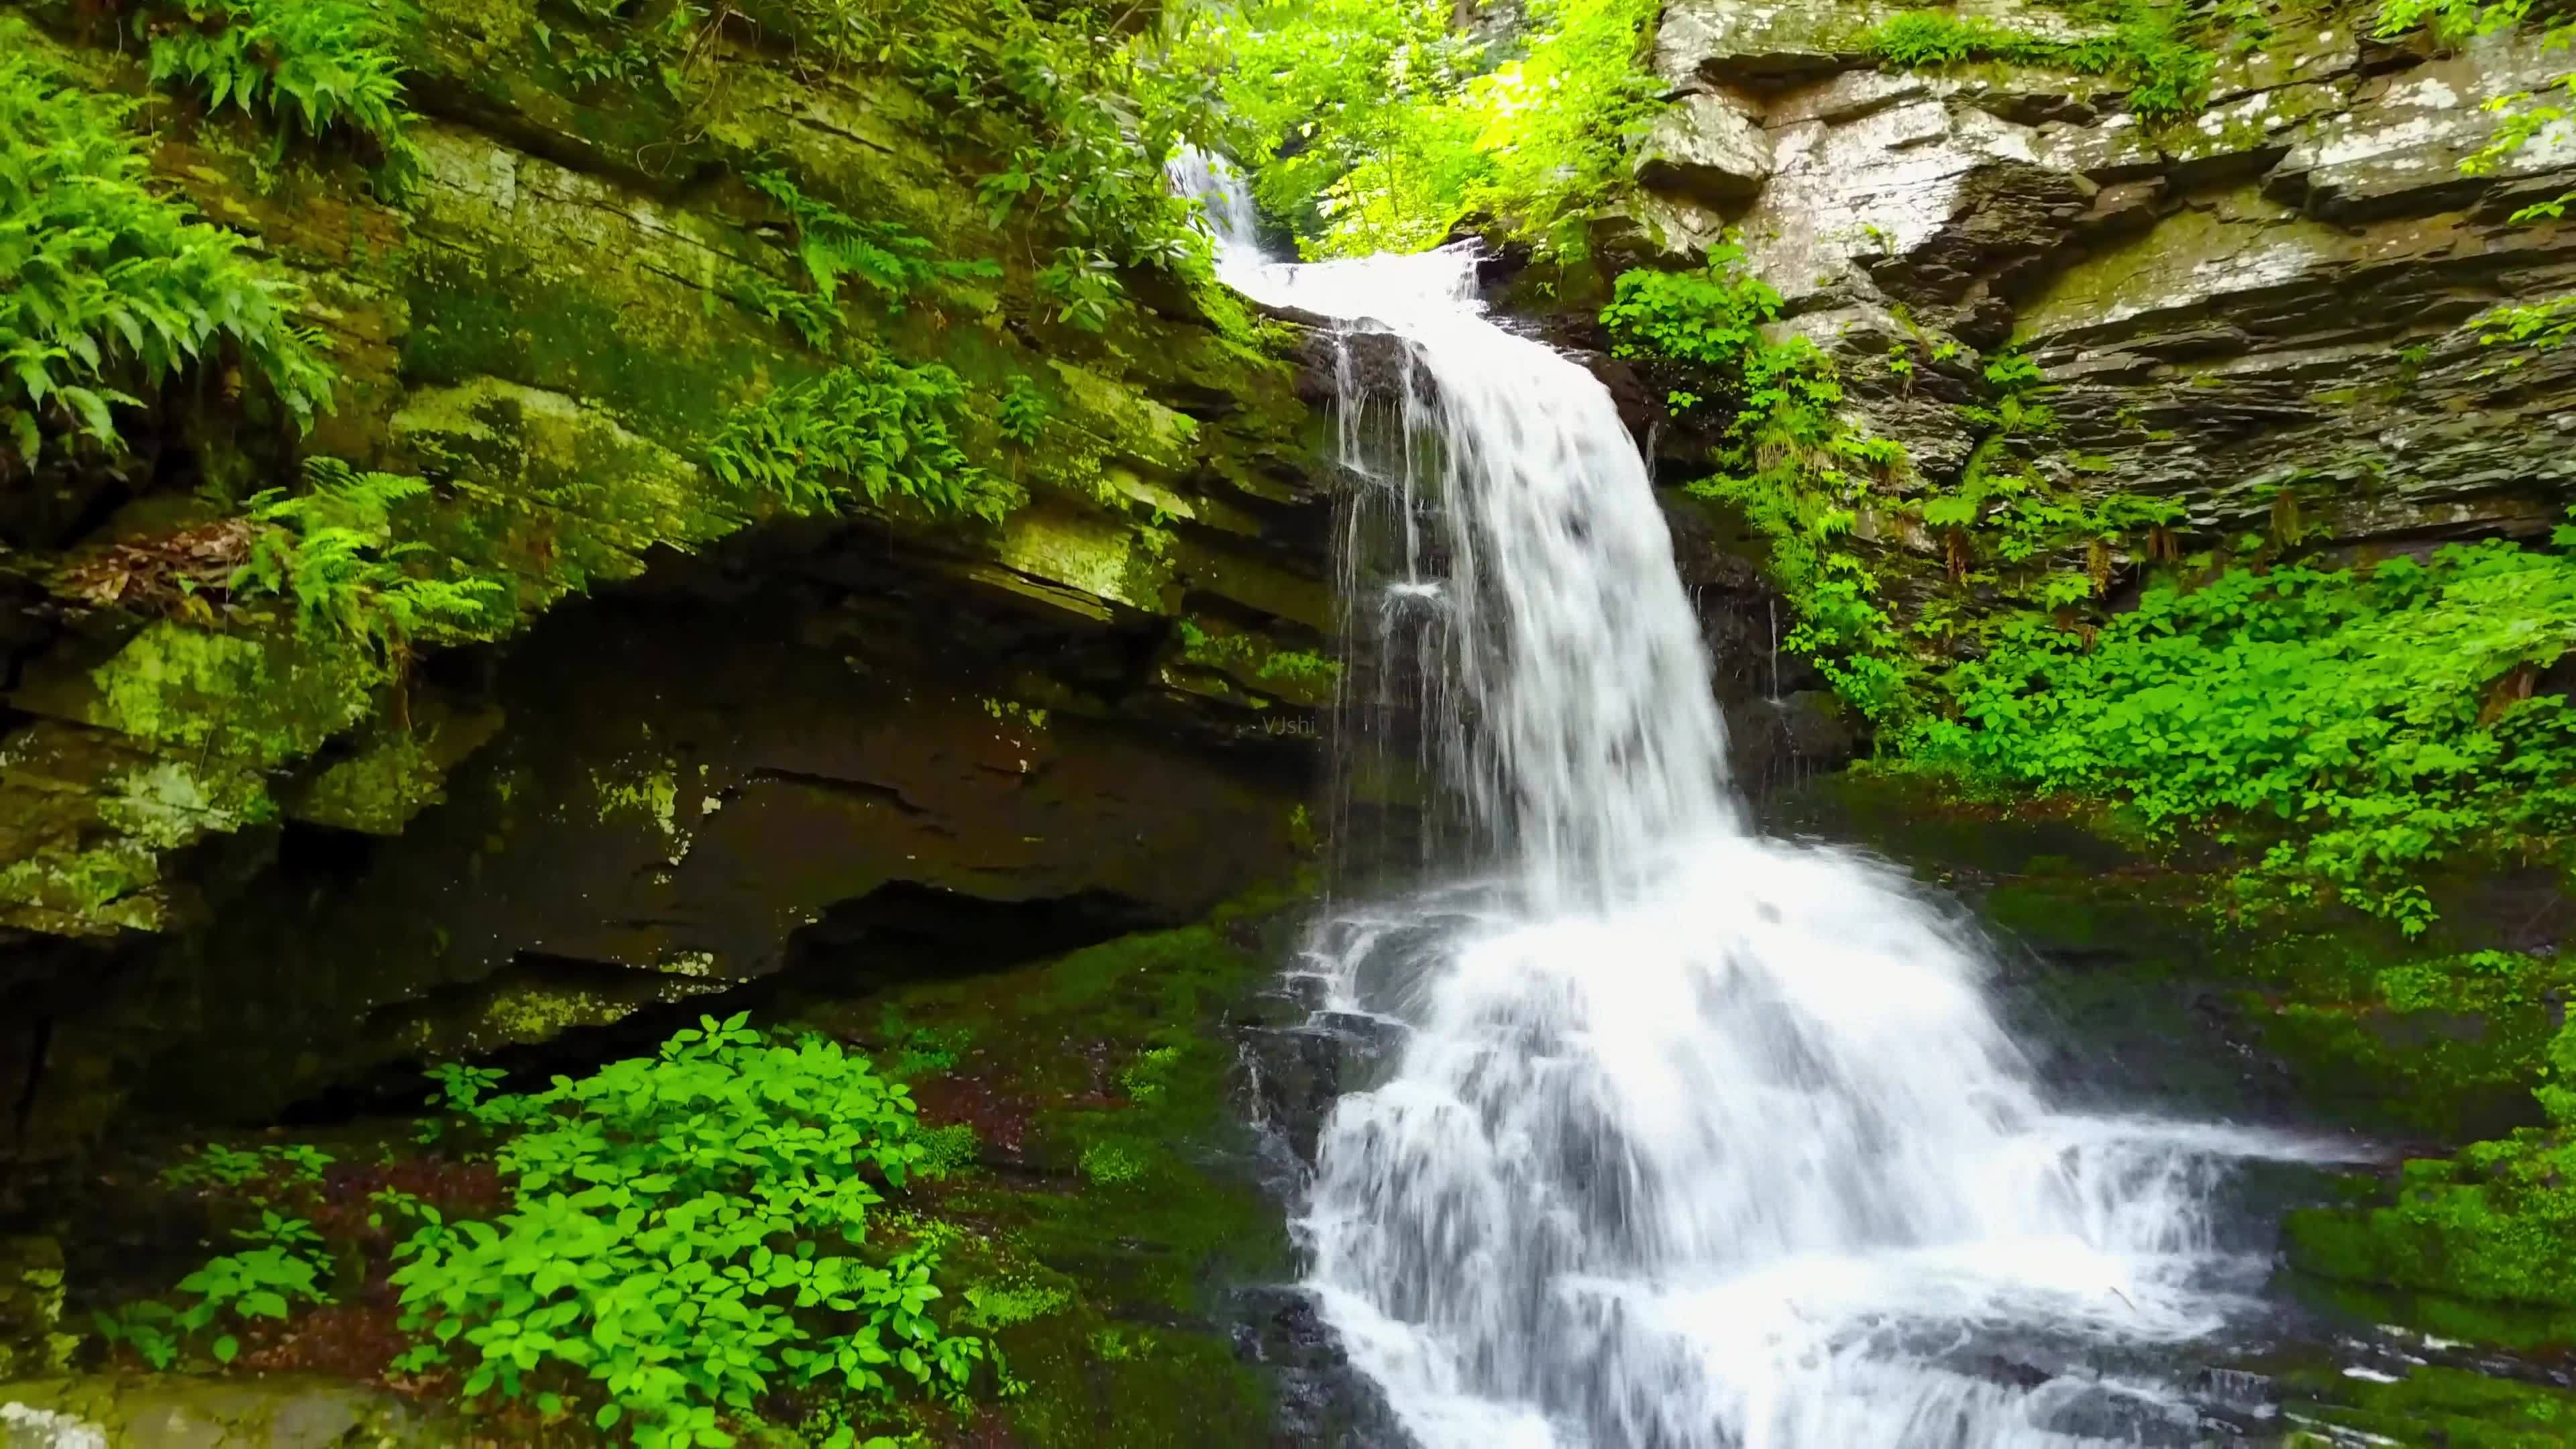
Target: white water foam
1693 1138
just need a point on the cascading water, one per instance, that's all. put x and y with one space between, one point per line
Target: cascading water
1692 1137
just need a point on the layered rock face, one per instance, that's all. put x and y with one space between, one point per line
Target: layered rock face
2265 296
237 868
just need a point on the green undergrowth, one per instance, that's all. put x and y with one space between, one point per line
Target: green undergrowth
2160 54
2356 726
1370 126
1014 1215
115 286
691 1240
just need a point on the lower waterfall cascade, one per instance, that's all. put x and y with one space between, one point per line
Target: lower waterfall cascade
1689 1137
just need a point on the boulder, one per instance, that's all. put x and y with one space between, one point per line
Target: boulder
1706 149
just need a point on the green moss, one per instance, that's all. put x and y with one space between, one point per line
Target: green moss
2520 1328
1096 1259
599 334
1299 676
392 773
2436 1405
2149 51
261 697
2497 1223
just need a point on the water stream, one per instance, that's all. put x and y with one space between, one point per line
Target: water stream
1690 1137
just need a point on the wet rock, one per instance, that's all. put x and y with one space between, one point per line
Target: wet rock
1370 365
2396 149
1324 1403
1778 741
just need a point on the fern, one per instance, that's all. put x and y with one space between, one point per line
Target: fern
889 257
324 64
879 430
331 550
107 287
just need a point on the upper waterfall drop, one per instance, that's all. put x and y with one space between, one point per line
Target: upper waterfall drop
1694 1138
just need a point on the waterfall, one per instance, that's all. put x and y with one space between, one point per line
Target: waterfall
1691 1137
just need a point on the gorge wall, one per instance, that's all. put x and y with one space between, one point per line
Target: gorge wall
239 865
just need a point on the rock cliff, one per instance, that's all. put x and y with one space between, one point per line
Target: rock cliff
2264 295
239 862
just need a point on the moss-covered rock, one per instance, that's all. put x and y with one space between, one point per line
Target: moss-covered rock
168 1411
549 327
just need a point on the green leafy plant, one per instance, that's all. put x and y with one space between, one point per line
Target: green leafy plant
326 65
283 1266
876 430
1084 287
1788 459
1024 412
1112 1164
215 1166
331 550
1145 1078
2371 721
114 287
688 1235
888 258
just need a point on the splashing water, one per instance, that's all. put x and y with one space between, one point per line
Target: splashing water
1693 1138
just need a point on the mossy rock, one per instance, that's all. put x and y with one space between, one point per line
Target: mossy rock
2497 1225
170 1411
2435 1405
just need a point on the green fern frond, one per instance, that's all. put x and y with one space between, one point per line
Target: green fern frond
112 286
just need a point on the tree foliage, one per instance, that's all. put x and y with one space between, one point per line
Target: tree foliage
1372 126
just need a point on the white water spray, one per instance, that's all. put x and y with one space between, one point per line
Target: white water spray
1694 1138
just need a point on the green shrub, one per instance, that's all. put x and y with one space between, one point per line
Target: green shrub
283 1266
2376 720
688 1238
108 287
